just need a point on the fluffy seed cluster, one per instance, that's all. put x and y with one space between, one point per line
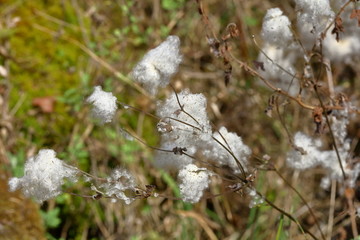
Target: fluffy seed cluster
313 17
256 200
193 182
158 65
43 176
279 50
189 130
196 116
347 48
104 104
314 10
284 58
339 124
308 154
118 183
185 130
218 154
276 28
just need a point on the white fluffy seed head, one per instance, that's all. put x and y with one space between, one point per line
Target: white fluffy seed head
188 132
43 176
195 106
14 184
314 7
307 153
276 28
285 58
256 200
344 50
118 183
313 17
168 160
193 182
310 156
339 124
158 65
104 104
217 153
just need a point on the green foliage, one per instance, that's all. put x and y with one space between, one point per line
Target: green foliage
135 238
171 183
139 37
214 216
146 210
76 152
121 148
63 199
253 223
128 150
17 162
171 5
51 237
167 178
6 33
72 98
164 30
187 229
280 235
251 21
51 217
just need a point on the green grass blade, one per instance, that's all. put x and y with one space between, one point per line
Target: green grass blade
280 232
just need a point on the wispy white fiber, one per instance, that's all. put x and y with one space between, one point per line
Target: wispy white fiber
104 104
193 182
43 176
158 65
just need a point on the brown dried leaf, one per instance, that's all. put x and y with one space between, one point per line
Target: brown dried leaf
46 104
233 30
338 28
258 65
214 46
349 193
341 99
3 88
356 152
271 104
355 14
317 115
227 71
